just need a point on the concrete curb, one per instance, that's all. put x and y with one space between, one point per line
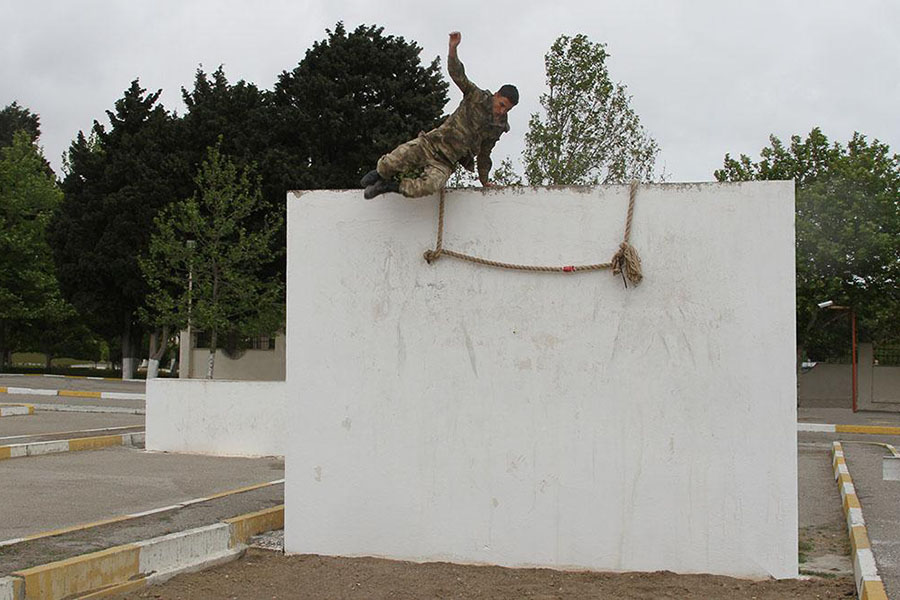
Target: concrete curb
67 376
119 410
828 428
137 515
15 410
72 393
868 583
71 445
131 566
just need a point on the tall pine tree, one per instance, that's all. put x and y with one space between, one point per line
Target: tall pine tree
353 97
117 180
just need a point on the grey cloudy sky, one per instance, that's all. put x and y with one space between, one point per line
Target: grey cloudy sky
707 76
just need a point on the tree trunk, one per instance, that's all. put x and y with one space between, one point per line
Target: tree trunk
127 353
159 342
4 360
212 354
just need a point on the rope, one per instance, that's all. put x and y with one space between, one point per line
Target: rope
625 261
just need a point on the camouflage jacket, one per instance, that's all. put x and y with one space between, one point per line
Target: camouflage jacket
471 130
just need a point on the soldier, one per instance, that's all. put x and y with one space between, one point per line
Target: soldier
424 164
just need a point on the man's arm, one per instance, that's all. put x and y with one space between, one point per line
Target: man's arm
485 163
456 68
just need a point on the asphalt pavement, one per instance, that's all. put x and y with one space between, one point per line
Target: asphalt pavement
41 493
62 424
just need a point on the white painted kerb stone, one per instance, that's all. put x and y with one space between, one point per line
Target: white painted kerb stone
458 412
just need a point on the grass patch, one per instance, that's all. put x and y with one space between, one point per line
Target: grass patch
804 548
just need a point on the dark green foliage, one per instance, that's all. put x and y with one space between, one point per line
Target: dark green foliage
117 181
848 234
353 97
15 118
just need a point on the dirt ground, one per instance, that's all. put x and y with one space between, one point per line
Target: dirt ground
264 575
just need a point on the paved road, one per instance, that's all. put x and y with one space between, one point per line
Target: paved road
880 502
41 493
845 416
43 423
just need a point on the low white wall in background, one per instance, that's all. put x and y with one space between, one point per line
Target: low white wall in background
227 418
458 412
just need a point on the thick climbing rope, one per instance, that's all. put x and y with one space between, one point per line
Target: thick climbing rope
625 261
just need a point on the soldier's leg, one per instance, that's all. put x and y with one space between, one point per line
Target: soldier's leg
430 182
404 158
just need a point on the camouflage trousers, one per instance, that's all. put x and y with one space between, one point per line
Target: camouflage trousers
422 172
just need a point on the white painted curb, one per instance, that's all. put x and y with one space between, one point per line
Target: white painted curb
16 410
132 566
164 557
71 445
8 588
89 409
816 427
74 393
868 583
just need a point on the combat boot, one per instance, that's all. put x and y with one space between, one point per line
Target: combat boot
369 178
380 187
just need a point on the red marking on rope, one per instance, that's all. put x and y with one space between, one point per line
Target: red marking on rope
568 269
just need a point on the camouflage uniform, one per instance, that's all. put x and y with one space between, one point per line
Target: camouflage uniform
469 132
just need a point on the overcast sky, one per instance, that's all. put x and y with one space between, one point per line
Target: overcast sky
707 76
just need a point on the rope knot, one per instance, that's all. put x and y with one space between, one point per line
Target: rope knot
627 263
432 255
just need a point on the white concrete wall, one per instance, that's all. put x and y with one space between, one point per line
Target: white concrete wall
827 385
458 412
226 418
252 365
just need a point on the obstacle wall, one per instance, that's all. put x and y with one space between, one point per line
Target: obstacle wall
223 418
458 412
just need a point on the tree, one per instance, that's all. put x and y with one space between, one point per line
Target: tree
240 117
224 262
848 232
117 180
29 291
353 97
589 133
504 175
16 118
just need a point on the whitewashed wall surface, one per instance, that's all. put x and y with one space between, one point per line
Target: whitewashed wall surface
458 412
227 418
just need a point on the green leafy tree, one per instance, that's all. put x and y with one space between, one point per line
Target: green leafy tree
243 121
229 296
15 118
29 292
589 134
848 232
503 175
61 332
353 97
